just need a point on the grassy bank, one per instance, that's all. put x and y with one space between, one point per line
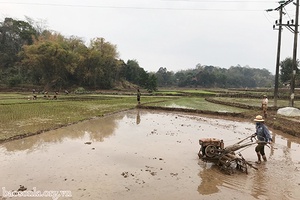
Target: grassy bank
257 102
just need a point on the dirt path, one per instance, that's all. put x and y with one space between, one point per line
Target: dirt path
144 154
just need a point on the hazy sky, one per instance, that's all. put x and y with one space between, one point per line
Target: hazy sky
176 34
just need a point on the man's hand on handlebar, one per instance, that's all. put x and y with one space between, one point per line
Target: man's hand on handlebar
253 136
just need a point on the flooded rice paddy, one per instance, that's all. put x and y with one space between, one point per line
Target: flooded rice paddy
142 154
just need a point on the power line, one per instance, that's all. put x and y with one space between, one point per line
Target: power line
130 7
289 17
219 1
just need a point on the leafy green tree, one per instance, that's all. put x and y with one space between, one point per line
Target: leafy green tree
286 71
180 78
80 54
13 35
103 61
131 71
206 76
142 78
151 84
48 61
221 78
164 77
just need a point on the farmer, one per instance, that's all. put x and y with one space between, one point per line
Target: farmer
138 96
55 95
263 137
264 105
34 94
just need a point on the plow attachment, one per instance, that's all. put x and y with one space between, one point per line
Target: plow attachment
213 150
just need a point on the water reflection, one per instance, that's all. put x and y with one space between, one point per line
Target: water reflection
209 179
259 187
95 130
138 117
174 105
285 146
272 146
213 180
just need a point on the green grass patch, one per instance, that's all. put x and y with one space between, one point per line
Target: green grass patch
199 92
164 92
197 103
185 92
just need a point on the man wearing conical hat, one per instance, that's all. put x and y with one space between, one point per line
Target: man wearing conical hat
263 137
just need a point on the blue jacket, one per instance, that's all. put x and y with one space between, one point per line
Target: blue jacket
262 132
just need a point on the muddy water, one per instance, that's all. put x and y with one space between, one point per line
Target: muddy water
146 155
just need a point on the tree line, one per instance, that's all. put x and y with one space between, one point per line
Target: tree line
216 77
31 54
234 77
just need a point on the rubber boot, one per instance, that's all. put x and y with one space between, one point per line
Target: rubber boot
258 158
265 158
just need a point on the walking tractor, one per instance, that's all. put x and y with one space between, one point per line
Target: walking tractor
213 150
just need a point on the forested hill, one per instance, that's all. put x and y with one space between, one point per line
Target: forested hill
30 54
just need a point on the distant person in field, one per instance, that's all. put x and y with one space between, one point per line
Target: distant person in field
264 105
55 95
46 95
34 94
138 96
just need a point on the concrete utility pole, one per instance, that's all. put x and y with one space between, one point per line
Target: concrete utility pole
278 56
294 64
280 8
